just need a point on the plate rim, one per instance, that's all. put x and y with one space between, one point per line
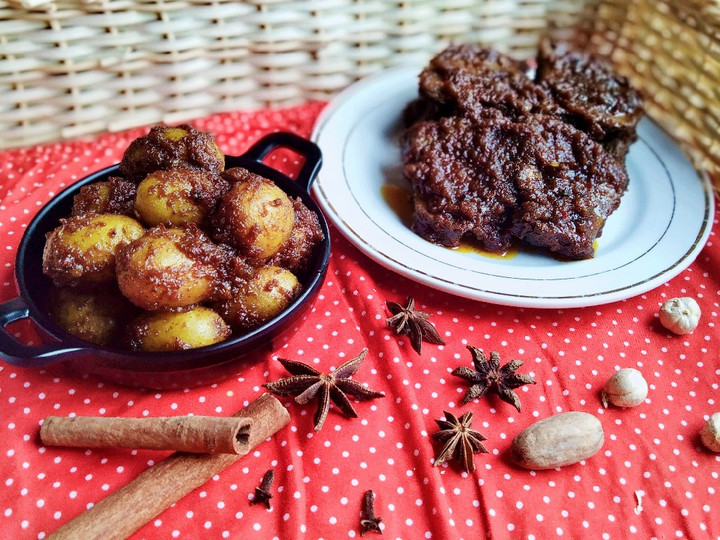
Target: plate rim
477 293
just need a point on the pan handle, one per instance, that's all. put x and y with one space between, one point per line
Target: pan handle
284 139
17 353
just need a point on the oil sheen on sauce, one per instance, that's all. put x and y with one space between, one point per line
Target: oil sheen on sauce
400 202
399 199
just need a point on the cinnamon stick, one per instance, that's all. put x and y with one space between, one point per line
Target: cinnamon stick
199 434
126 510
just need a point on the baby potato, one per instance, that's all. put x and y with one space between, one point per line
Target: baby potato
306 233
166 147
114 196
269 291
93 316
175 331
255 216
168 267
178 196
81 251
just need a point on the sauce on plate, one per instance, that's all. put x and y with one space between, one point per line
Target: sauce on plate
399 199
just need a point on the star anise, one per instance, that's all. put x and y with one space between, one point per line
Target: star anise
307 383
415 324
488 375
461 442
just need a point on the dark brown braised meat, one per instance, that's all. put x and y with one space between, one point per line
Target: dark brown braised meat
461 174
567 185
541 181
492 156
473 60
590 95
469 80
581 89
481 83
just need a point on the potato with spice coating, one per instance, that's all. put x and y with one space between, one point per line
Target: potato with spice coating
176 331
178 196
95 316
255 216
166 147
295 253
114 196
269 291
169 267
81 251
219 257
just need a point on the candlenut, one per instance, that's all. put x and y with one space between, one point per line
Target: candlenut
626 388
680 315
710 433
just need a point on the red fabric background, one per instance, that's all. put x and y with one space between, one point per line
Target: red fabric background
320 477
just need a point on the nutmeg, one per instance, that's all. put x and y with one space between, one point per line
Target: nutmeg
559 440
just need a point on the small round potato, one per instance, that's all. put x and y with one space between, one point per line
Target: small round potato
165 147
168 268
178 196
255 216
269 291
114 196
81 251
93 316
175 331
306 234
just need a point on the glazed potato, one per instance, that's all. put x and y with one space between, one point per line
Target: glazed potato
168 267
177 196
93 316
174 331
81 251
306 233
255 216
165 147
269 291
114 196
220 256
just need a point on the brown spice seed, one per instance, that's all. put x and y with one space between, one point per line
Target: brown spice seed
370 522
489 376
262 493
414 324
461 442
307 383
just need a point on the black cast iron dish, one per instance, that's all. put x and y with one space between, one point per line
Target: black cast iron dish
158 370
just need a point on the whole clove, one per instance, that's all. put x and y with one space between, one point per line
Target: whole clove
370 522
262 492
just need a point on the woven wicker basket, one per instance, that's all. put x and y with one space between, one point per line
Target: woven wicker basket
77 67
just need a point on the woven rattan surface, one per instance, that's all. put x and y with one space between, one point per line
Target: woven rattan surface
671 50
76 67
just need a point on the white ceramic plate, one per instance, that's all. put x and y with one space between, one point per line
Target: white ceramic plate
661 225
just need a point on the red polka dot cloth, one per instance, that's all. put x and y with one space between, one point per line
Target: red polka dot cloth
652 478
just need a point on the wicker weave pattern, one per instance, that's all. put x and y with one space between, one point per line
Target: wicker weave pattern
672 51
76 67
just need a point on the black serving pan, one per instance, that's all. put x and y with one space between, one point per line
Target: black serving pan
179 369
